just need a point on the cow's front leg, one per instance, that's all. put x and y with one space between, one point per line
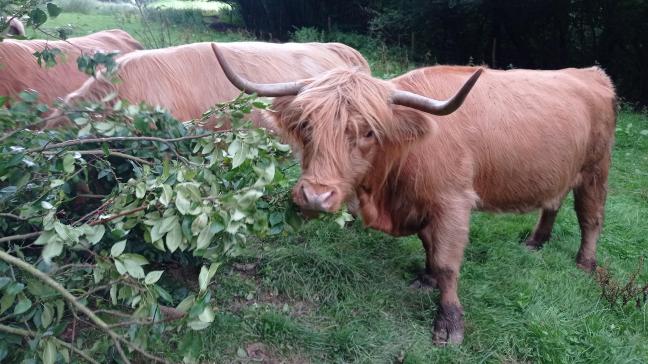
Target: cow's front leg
425 279
448 236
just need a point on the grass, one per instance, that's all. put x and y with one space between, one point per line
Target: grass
341 295
211 7
154 36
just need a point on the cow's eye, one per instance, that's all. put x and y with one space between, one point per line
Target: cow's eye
369 134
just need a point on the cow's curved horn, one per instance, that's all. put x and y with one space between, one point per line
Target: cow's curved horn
261 89
432 106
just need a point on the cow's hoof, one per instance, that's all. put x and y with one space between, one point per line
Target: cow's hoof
448 326
533 245
424 281
587 265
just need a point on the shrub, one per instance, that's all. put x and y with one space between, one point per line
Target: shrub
114 205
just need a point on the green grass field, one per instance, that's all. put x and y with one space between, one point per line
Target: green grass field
338 295
206 6
154 35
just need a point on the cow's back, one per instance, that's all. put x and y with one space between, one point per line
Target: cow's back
187 79
20 70
522 137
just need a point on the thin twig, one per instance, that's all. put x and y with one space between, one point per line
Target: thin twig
5 214
172 314
120 350
25 333
108 219
116 139
90 195
75 265
95 211
111 153
20 237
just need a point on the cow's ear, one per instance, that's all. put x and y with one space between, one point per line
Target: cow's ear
410 125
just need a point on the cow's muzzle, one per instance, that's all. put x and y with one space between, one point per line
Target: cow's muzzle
316 197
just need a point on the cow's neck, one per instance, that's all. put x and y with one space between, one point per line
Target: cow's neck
386 201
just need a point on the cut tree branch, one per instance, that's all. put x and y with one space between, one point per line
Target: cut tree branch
8 258
20 237
111 218
110 153
25 333
116 139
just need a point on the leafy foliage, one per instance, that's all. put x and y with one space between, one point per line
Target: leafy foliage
170 193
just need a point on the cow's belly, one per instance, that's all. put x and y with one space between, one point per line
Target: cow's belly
521 184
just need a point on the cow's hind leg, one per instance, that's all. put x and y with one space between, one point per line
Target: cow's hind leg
542 232
589 202
448 236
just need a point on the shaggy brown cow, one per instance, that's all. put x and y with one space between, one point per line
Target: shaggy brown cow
521 141
14 28
175 78
20 71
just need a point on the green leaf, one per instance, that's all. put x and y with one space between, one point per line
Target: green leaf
37 17
15 288
204 238
133 268
240 156
118 248
94 233
203 278
60 309
182 203
7 301
136 258
49 352
199 224
55 183
155 231
53 249
68 163
53 10
168 223
4 281
213 268
22 306
113 294
198 325
186 304
65 353
174 237
207 315
166 196
140 190
343 218
47 315
119 265
105 149
45 237
153 276
276 218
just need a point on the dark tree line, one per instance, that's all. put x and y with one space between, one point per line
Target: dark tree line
543 34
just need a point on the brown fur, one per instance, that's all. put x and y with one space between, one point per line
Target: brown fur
521 141
187 80
20 71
